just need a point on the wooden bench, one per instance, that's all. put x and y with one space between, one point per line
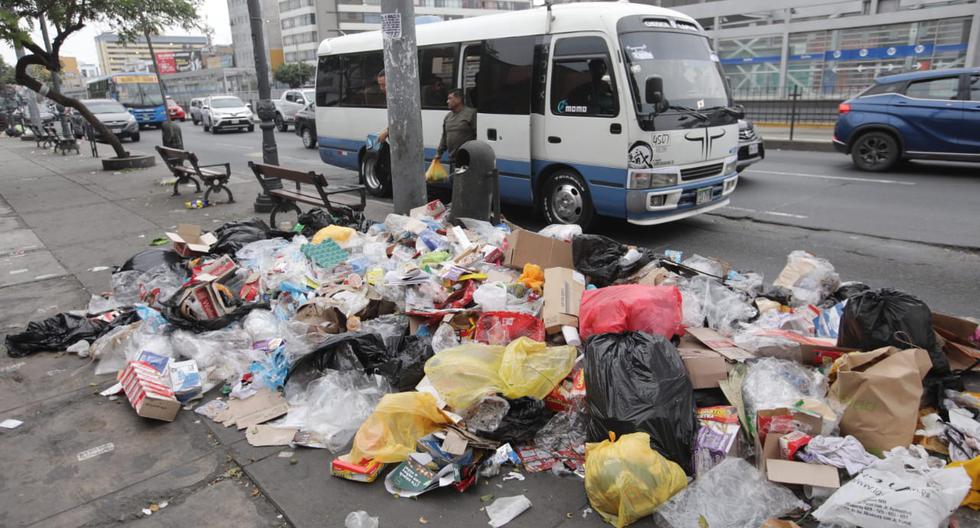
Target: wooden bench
186 168
41 136
60 142
271 179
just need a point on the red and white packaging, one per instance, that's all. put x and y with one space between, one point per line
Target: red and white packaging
148 392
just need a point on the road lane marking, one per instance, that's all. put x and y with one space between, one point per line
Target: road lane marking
828 177
772 213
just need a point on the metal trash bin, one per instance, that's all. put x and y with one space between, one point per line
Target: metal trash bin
476 183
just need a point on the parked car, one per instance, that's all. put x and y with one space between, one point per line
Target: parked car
226 111
112 114
922 115
305 121
292 101
750 147
196 110
175 111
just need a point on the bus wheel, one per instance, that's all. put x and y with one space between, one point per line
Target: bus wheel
375 174
566 200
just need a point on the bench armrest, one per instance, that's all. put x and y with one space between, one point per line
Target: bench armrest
227 167
347 189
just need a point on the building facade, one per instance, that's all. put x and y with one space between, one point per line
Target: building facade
241 33
116 56
833 48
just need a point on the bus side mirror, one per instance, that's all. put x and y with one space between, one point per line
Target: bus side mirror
741 111
249 105
655 90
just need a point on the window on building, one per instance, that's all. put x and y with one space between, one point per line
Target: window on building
437 74
582 79
946 88
360 85
351 16
504 84
975 87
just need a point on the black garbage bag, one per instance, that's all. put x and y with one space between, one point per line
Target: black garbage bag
887 317
636 381
780 294
58 332
598 257
522 422
849 289
401 363
171 312
314 220
233 235
150 258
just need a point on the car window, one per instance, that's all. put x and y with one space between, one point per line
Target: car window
882 88
291 97
226 102
975 87
946 88
105 107
309 95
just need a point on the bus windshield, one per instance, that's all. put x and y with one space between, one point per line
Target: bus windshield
691 73
139 95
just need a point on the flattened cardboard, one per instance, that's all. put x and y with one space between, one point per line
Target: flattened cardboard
454 444
956 333
705 367
189 240
795 473
525 247
720 344
563 290
261 407
267 435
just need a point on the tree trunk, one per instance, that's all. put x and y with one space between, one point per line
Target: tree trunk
33 84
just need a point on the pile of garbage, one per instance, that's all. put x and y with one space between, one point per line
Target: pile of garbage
436 353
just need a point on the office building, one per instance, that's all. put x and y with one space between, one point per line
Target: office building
116 56
241 33
833 48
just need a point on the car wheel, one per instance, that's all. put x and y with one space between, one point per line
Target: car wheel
195 121
375 174
875 152
251 128
309 141
566 200
183 119
281 123
135 137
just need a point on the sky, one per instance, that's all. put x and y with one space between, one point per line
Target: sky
81 44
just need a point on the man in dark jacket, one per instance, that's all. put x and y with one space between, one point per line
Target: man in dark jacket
459 125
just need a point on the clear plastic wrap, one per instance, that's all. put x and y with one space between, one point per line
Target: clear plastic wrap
705 265
565 431
733 494
360 519
262 325
564 232
444 337
125 287
722 307
123 344
98 304
485 231
750 283
810 278
220 355
772 383
386 326
334 406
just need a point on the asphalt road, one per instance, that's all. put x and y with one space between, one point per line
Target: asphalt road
916 228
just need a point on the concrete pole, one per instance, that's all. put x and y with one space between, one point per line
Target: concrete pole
170 133
156 70
264 108
55 80
32 97
404 105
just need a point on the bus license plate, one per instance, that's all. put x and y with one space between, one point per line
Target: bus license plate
753 149
704 195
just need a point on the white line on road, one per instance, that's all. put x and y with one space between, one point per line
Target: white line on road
772 213
828 177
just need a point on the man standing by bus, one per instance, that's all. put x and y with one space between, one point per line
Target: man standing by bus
459 125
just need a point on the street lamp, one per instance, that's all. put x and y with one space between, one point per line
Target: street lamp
264 108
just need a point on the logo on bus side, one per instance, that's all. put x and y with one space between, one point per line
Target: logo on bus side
640 156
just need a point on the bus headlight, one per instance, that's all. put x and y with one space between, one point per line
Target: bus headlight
731 165
649 180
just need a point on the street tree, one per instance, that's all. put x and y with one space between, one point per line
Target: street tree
130 19
6 74
295 74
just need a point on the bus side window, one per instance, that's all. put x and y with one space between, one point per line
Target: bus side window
328 77
437 69
471 74
504 85
582 79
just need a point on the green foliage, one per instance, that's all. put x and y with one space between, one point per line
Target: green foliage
6 74
295 74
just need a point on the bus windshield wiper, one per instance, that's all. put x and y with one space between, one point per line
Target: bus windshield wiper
728 110
688 110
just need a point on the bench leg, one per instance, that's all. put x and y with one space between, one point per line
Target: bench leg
215 190
282 207
186 179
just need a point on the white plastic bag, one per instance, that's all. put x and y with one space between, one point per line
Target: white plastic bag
564 232
904 489
810 278
491 296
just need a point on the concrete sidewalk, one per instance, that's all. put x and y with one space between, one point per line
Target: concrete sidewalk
82 460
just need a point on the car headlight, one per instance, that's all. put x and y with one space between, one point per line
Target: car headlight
648 180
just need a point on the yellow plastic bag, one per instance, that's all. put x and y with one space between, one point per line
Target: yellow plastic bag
436 172
626 480
399 420
338 234
464 374
972 467
532 277
531 368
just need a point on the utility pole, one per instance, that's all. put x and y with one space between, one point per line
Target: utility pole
31 96
55 81
264 108
404 105
170 133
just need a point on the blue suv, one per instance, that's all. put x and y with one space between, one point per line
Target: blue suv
923 115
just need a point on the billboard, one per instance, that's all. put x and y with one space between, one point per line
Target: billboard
179 61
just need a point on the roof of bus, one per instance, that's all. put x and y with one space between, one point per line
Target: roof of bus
581 16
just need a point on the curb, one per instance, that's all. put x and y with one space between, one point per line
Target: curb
812 145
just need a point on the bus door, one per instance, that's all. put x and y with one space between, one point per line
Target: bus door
585 123
503 101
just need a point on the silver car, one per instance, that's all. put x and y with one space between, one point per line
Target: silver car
196 110
226 111
113 115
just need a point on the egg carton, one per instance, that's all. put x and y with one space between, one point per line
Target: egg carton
326 254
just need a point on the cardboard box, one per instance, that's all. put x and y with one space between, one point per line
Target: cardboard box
563 290
189 240
957 344
148 392
525 247
720 344
705 367
790 472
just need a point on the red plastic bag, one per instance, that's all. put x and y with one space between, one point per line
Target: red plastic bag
631 307
500 328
